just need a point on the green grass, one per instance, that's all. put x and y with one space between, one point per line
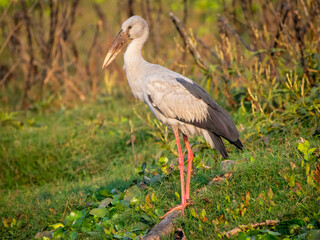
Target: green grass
57 162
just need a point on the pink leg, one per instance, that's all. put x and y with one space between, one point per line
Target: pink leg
181 168
190 157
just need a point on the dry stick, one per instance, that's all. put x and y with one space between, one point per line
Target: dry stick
31 55
155 36
297 28
94 43
234 33
65 209
317 172
151 25
188 42
6 76
9 36
205 46
309 19
40 39
157 26
241 228
280 28
100 14
184 21
53 26
5 11
71 17
133 138
185 12
130 8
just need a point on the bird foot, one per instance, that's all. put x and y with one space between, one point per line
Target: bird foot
178 207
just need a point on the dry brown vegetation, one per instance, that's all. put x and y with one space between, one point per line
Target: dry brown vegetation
52 50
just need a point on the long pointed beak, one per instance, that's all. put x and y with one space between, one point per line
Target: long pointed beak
120 41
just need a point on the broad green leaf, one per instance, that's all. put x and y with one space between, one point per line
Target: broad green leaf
203 213
270 232
134 201
74 215
57 225
99 212
105 202
86 225
163 161
159 212
73 235
105 193
193 213
269 237
115 200
153 197
177 195
131 192
313 235
141 226
303 147
120 225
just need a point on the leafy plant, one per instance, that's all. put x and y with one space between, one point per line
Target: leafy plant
103 212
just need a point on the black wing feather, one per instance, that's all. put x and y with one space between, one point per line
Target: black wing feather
218 120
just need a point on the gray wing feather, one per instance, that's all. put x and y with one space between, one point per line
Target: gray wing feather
180 98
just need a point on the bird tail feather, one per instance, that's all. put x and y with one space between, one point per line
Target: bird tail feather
238 144
218 143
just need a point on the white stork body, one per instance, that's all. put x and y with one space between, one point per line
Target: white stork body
175 100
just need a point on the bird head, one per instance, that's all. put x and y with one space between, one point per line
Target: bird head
133 28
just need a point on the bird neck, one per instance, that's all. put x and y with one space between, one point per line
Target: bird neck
135 65
132 56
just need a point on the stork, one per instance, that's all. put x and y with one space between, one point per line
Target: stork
175 100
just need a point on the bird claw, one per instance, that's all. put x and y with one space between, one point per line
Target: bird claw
180 206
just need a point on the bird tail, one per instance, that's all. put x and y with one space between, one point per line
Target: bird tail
218 143
238 144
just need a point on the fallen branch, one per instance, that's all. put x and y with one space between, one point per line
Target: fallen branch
163 228
241 228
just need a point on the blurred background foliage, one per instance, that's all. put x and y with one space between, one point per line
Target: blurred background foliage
261 57
65 124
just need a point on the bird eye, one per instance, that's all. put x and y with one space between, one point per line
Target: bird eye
129 27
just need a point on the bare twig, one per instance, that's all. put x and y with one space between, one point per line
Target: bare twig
100 13
185 12
157 26
309 19
205 46
224 22
188 42
31 66
284 10
5 11
241 228
65 209
153 30
132 139
130 8
93 44
317 173
299 35
6 76
9 36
